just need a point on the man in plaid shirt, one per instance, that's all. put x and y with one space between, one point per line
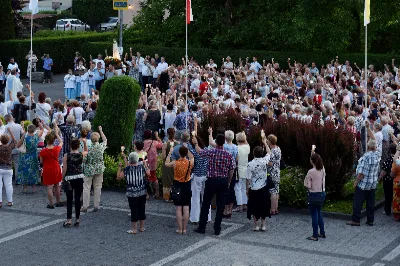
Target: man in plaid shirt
366 181
219 174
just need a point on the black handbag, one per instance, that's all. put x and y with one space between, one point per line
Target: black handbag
175 193
66 185
270 183
317 198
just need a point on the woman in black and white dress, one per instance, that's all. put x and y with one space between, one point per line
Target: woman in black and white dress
136 189
258 205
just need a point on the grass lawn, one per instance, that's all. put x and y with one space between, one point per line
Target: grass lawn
346 206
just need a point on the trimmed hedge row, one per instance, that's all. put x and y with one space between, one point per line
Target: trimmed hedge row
174 55
61 49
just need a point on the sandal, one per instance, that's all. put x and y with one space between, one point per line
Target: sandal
312 238
50 206
10 204
142 230
179 232
67 224
76 224
184 232
1 204
132 232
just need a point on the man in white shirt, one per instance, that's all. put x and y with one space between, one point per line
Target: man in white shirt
228 64
13 66
5 105
255 65
212 64
194 86
17 130
162 69
99 59
140 64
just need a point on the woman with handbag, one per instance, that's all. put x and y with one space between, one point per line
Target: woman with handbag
315 183
181 190
6 172
28 170
73 180
257 187
49 158
136 188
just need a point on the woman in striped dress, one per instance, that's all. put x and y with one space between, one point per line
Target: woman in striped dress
136 184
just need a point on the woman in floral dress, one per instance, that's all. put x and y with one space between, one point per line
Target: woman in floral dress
274 170
139 125
28 170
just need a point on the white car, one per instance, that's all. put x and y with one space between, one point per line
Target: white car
71 24
110 24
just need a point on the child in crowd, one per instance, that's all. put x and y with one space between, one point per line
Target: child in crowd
69 86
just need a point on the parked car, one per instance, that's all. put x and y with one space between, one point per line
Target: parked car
110 24
71 24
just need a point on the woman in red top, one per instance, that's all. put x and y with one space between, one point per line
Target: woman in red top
51 167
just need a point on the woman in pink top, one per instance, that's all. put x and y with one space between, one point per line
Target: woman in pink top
151 145
315 183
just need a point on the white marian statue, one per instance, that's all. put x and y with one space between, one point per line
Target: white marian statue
115 50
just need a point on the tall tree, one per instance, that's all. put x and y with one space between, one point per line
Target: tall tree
93 12
6 21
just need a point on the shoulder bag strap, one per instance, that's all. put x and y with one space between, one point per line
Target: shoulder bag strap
151 144
187 171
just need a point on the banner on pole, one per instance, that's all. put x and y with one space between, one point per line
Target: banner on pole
189 14
34 6
120 4
367 12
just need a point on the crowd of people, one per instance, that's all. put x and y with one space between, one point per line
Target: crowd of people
174 101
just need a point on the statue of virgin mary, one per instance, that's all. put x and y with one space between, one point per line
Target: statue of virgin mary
115 50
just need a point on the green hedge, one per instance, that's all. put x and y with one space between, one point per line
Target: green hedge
61 49
174 55
119 97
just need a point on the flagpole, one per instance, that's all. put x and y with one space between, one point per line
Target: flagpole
186 61
30 70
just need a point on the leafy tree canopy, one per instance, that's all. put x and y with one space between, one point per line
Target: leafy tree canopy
274 25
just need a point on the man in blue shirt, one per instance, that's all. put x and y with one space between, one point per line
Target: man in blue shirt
98 76
47 64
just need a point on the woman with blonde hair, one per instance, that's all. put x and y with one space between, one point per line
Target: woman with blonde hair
274 171
93 170
233 150
243 160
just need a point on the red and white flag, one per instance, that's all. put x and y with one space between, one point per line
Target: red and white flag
189 14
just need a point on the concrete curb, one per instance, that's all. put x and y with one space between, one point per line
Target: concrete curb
333 215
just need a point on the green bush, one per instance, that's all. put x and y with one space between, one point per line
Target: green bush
174 55
6 21
119 97
292 192
61 49
110 173
93 12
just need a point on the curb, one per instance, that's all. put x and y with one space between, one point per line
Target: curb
333 215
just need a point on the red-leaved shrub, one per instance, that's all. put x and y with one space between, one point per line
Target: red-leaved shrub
336 146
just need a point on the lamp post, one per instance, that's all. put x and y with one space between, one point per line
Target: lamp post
121 17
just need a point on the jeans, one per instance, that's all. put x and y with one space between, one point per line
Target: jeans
198 183
317 220
75 193
141 81
359 197
137 206
240 192
6 179
97 181
388 190
218 187
47 75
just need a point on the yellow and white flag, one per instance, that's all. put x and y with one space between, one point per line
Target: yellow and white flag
367 12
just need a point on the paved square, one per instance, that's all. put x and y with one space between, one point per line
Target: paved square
30 234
